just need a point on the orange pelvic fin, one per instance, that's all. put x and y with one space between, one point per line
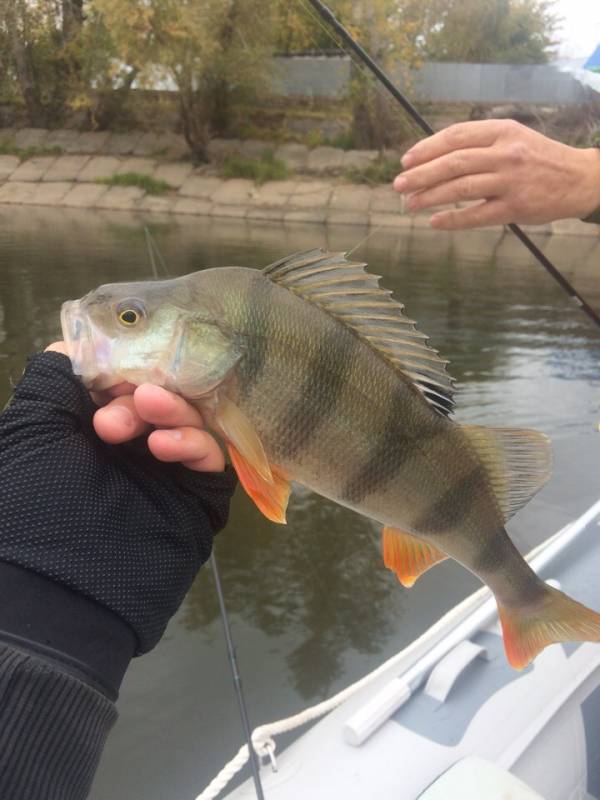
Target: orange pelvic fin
266 484
556 618
270 497
408 556
238 431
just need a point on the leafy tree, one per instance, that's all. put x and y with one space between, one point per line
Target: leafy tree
489 31
298 29
388 29
56 55
389 34
38 55
116 45
404 32
213 51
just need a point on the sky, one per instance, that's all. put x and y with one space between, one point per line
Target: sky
580 30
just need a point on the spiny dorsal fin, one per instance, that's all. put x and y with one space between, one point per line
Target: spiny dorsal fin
344 289
518 462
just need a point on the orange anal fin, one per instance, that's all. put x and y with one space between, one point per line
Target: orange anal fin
556 618
270 497
408 556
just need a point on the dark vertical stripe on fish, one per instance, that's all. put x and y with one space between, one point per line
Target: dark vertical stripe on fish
257 310
391 450
456 503
320 391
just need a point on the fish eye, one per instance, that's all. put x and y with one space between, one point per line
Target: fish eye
129 314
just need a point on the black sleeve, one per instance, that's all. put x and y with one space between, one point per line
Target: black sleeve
98 546
62 658
52 729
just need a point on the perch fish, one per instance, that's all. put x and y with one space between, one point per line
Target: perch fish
311 372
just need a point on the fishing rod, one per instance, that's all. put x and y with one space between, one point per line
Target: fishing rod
328 16
237 681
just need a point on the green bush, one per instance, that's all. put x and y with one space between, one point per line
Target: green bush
23 153
315 138
146 182
382 171
260 170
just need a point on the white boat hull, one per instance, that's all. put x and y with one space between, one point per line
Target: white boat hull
452 696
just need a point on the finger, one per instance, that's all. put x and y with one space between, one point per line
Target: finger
468 187
119 421
120 389
482 133
441 170
57 347
490 212
164 409
195 449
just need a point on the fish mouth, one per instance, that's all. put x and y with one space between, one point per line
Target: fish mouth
88 349
76 334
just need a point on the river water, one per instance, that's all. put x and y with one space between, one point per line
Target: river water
312 607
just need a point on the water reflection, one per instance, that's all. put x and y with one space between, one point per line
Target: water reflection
320 580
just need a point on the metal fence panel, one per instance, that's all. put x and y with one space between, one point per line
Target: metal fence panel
328 76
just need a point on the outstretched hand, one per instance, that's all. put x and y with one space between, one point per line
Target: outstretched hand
174 427
518 174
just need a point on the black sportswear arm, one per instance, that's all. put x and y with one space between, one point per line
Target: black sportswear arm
98 546
62 658
53 727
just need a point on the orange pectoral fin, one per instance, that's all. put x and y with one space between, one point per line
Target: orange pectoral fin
408 556
270 497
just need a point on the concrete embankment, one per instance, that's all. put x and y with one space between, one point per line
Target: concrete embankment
316 193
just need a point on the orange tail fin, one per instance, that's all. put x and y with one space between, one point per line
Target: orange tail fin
557 618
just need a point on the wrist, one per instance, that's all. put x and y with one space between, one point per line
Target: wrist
587 202
64 628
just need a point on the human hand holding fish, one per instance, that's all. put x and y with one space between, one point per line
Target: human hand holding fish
175 428
103 516
310 371
517 174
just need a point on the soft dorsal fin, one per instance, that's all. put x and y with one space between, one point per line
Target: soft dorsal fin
344 289
518 462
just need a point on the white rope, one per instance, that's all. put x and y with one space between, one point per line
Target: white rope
225 775
262 737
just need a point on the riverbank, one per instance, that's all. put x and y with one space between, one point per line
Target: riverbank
67 169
